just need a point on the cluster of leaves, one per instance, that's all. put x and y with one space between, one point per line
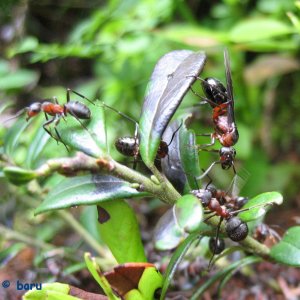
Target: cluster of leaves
116 38
171 79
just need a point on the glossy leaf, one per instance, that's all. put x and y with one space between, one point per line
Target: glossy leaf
287 251
99 276
259 205
189 155
19 176
171 165
86 190
169 82
90 140
175 261
263 28
120 232
188 212
167 233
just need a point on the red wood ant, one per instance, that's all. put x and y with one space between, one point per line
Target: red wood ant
225 129
74 108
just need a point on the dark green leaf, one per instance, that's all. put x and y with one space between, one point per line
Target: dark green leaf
86 190
91 141
18 175
169 83
120 232
171 165
175 261
263 28
189 155
287 251
259 205
188 212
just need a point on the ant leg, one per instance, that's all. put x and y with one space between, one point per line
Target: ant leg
216 242
212 141
208 170
47 124
173 135
78 94
210 180
57 133
46 116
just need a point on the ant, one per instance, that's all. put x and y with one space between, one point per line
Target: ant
221 100
74 108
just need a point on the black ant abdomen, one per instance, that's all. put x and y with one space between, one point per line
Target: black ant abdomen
236 229
216 245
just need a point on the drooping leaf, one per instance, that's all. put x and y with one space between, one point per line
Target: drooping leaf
86 190
188 212
171 165
175 261
263 28
259 205
120 232
19 176
90 140
287 251
170 81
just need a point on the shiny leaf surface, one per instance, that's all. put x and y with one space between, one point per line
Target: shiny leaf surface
120 232
287 251
86 190
170 81
259 205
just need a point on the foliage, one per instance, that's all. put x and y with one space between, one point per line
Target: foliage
108 52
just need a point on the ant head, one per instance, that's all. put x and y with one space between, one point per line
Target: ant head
163 149
241 201
227 155
33 109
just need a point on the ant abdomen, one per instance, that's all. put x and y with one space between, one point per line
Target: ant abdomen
78 110
127 146
236 229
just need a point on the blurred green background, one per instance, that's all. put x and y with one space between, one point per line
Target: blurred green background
107 50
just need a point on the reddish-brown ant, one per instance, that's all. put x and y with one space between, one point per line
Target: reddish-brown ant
225 129
74 108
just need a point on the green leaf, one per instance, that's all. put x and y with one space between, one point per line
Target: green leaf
19 176
171 165
188 212
13 135
90 140
36 147
259 205
120 232
86 190
175 261
170 81
167 233
287 251
189 155
150 281
263 29
99 276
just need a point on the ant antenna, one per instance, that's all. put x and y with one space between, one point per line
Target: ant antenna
19 113
173 135
78 94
